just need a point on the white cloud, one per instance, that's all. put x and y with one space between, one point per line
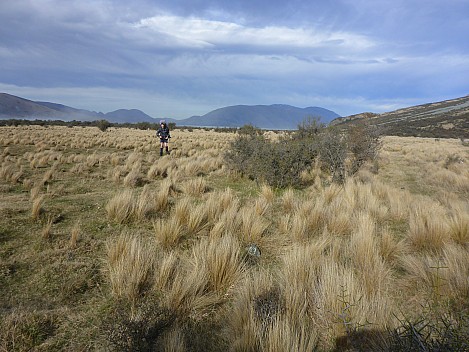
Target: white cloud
203 33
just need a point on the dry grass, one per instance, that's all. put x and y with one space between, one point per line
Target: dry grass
145 204
75 235
37 207
332 258
46 232
220 260
195 186
168 232
428 229
129 265
121 207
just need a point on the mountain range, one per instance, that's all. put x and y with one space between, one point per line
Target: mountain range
448 118
275 116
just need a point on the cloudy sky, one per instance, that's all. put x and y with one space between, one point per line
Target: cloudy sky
181 58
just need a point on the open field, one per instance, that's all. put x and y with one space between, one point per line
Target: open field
104 245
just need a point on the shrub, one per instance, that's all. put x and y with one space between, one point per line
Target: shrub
249 130
140 331
103 125
281 163
332 150
278 164
363 144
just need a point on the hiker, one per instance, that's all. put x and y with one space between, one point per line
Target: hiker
163 133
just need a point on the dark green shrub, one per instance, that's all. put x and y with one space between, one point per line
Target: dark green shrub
103 125
249 130
278 164
310 127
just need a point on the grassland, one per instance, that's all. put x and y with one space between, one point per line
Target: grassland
104 245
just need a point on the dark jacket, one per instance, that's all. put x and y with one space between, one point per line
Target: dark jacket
163 132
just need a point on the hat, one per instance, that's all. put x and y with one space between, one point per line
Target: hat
162 121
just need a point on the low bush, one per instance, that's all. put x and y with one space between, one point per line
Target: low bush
280 163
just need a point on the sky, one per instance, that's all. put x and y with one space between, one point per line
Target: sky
181 58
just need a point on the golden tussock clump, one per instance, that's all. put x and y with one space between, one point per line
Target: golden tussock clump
129 265
46 232
37 207
121 207
168 232
195 186
220 260
428 228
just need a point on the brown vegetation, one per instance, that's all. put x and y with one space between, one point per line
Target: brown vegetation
179 253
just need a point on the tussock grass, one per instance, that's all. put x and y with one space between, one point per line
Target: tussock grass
391 248
282 336
195 186
455 271
267 193
173 341
182 210
165 270
459 227
121 207
252 227
34 192
220 259
428 230
129 266
37 207
197 220
75 235
133 178
145 204
289 201
255 305
46 232
188 296
261 206
168 232
334 261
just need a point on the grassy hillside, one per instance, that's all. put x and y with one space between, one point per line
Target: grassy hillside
104 245
444 119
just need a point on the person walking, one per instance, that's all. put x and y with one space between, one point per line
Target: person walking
164 135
